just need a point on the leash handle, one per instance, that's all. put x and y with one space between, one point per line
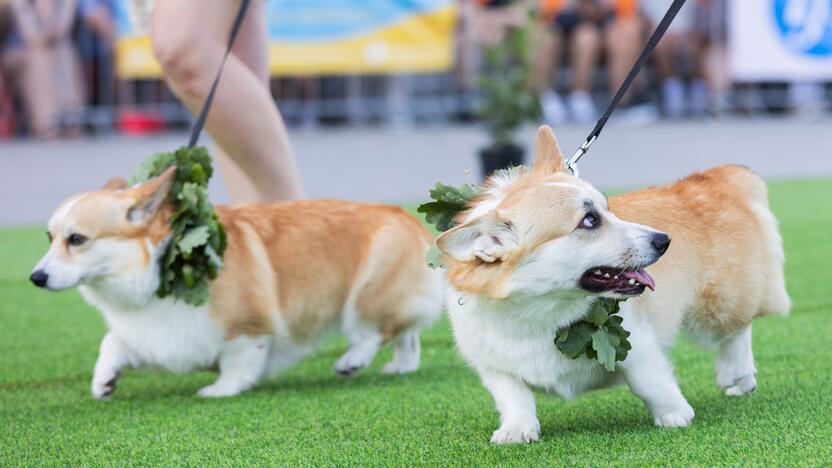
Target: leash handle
196 130
616 100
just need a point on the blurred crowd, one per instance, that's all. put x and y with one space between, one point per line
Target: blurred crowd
585 48
55 56
57 60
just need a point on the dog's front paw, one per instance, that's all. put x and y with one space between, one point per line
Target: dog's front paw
679 417
520 431
218 390
103 386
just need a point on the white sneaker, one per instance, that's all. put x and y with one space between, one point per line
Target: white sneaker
699 98
554 112
582 108
673 95
636 115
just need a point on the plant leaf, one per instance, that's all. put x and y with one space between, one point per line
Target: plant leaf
604 344
597 315
448 202
573 341
193 238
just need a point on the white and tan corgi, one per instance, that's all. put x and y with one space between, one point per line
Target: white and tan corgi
538 248
292 270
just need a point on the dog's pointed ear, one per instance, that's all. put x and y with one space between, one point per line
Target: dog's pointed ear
116 183
150 195
485 238
548 157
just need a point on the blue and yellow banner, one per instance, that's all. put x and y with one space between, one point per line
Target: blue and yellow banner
330 37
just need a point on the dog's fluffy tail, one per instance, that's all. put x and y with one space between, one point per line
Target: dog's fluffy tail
776 299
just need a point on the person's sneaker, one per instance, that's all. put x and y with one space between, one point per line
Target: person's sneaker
673 97
554 112
581 107
807 99
636 115
699 97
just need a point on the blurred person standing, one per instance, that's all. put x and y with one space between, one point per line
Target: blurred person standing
254 152
494 18
7 122
572 28
483 23
712 81
624 38
45 65
96 37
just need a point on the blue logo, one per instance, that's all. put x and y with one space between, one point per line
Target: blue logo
805 25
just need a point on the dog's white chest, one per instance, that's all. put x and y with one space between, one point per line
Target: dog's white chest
165 334
524 347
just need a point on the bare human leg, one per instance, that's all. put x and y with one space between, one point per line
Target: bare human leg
244 120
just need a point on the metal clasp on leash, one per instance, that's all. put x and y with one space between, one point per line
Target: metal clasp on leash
572 163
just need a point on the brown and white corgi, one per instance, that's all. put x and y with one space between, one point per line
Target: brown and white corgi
538 248
292 270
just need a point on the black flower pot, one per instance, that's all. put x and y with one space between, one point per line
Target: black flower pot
499 157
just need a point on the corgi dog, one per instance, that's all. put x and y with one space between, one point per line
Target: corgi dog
538 248
291 271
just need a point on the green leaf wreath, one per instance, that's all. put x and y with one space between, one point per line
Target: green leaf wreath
195 252
599 335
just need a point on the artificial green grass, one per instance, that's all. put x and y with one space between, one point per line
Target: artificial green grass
439 415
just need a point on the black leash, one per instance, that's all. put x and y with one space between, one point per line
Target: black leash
196 130
648 49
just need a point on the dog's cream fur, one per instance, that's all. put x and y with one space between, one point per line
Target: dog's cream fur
292 270
516 260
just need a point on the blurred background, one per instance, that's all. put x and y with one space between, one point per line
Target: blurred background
385 97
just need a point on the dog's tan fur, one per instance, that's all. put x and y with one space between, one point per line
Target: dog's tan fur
726 262
273 263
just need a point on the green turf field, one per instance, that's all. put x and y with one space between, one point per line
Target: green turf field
439 415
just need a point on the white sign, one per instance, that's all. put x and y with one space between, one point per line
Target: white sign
780 40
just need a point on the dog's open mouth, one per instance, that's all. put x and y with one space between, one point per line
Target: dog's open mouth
616 280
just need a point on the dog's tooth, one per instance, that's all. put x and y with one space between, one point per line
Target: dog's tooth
607 275
598 272
632 281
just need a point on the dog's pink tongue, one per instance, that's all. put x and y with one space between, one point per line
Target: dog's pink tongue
642 277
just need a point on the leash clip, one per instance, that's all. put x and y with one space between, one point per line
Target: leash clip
572 163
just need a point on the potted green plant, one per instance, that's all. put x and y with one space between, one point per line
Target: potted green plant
508 99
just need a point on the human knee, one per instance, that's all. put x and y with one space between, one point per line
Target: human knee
586 38
185 64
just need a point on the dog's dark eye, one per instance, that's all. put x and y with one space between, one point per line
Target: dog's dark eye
76 239
590 221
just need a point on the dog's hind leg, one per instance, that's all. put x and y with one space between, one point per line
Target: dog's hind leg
364 344
406 350
242 364
735 371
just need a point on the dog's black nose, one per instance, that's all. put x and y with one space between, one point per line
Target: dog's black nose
39 278
660 242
